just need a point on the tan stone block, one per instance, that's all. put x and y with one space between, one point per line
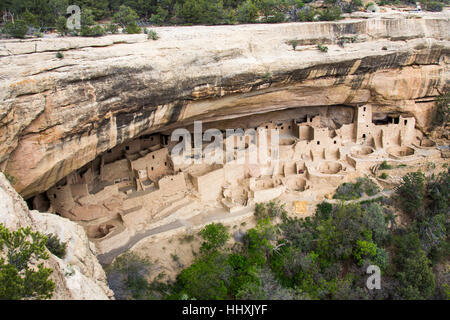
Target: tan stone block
301 207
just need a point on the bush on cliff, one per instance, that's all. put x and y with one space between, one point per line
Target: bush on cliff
127 18
18 29
55 246
22 272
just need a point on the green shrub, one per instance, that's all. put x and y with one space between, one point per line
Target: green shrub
55 246
293 43
94 31
127 18
352 6
160 16
308 14
330 14
22 272
175 257
434 6
59 55
215 235
247 12
353 191
384 176
269 210
364 249
112 28
322 48
410 193
18 29
415 275
61 25
207 278
152 35
132 28
442 110
127 277
385 166
323 210
12 180
367 5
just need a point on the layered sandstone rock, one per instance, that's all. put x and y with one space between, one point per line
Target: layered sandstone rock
79 275
56 115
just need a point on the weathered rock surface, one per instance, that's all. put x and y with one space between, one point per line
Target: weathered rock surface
58 114
79 275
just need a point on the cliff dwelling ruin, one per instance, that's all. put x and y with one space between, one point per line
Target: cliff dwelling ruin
137 184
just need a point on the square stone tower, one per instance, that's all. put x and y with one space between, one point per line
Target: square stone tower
363 124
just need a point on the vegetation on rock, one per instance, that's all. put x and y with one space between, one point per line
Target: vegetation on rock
22 271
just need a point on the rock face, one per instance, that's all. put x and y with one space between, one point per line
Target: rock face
79 275
56 115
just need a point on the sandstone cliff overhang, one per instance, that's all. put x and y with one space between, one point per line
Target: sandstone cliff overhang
56 115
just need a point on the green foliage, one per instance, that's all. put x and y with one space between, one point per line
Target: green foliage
414 273
18 29
94 31
207 278
201 12
244 273
351 6
215 236
308 14
364 249
293 43
55 246
132 28
343 40
411 192
87 18
442 110
259 241
152 35
247 12
22 276
269 210
112 28
12 180
127 277
59 55
368 4
385 166
29 19
353 191
265 288
330 14
434 6
61 26
98 8
127 17
384 176
160 16
322 48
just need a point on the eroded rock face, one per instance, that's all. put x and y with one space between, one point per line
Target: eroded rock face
78 276
56 115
